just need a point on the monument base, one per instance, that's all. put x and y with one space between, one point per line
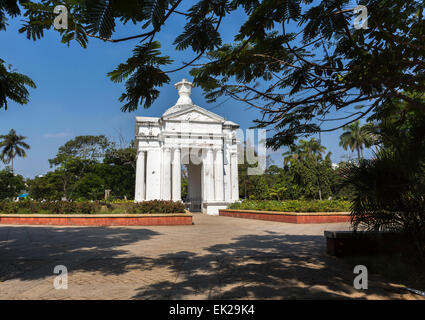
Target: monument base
212 207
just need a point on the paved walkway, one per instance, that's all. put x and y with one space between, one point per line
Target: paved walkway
217 258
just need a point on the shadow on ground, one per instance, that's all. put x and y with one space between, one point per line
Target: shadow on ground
29 253
266 266
269 266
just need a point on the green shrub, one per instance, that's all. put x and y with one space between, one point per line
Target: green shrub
389 189
86 207
153 206
293 205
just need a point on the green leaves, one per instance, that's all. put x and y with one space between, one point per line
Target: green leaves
86 207
12 145
389 190
9 7
39 17
101 19
13 86
155 11
11 185
75 32
298 61
264 16
143 74
86 147
84 167
293 205
305 150
200 36
201 31
356 137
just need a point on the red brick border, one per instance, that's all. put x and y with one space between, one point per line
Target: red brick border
288 217
98 220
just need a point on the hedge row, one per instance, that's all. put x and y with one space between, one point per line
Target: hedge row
64 207
153 206
294 205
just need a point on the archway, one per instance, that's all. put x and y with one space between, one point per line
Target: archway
161 147
194 186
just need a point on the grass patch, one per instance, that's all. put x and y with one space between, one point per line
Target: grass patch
293 205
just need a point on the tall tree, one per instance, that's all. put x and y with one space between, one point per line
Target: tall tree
356 137
10 184
86 147
76 158
299 62
119 171
85 167
12 145
305 149
308 155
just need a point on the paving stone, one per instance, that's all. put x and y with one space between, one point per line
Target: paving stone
216 258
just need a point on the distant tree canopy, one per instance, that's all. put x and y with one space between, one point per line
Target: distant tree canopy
11 184
86 147
306 174
300 62
84 168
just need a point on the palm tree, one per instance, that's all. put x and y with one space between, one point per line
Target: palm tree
311 149
13 145
304 150
373 132
292 154
356 137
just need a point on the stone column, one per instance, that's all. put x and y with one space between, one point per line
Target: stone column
227 175
234 176
219 182
153 174
166 181
140 177
209 175
176 175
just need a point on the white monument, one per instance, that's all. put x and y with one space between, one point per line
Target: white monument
188 135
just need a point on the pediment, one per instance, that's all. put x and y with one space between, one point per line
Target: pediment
193 114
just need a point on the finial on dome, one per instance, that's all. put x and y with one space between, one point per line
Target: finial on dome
184 88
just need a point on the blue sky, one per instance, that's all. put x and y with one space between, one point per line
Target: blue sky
75 97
